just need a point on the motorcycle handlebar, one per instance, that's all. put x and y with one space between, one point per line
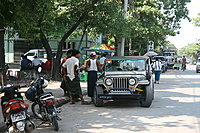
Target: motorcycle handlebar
15 87
23 85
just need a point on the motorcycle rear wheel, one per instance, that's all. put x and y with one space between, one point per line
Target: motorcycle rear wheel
36 109
55 123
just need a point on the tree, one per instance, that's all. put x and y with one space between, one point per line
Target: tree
174 11
147 20
196 21
62 19
9 17
190 50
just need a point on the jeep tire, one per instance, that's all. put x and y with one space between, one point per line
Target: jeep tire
149 96
97 101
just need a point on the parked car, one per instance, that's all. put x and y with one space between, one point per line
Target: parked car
42 54
170 62
194 62
128 77
198 65
163 61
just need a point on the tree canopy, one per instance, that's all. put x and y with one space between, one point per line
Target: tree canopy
196 21
41 20
190 50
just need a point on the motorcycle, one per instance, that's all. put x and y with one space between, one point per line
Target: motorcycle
43 106
15 110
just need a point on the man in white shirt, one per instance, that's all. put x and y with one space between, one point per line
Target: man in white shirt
92 67
72 77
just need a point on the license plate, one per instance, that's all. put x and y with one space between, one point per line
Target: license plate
105 97
18 117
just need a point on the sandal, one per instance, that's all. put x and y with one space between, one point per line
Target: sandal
85 103
77 100
72 102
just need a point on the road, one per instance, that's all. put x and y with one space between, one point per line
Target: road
175 109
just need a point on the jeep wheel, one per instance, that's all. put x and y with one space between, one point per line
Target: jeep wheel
148 94
97 101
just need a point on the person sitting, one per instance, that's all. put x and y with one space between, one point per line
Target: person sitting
36 63
47 65
25 63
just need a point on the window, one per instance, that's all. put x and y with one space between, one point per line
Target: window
125 65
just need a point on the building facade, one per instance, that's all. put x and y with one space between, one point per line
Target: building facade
16 46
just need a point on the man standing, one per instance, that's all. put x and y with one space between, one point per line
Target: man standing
92 67
102 61
63 71
183 63
72 76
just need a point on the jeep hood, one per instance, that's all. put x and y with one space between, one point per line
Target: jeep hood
125 73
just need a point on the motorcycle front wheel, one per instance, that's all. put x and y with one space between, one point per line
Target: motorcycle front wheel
54 123
37 111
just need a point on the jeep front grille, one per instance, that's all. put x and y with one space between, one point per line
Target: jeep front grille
121 83
119 90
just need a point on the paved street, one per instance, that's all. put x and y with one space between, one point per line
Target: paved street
176 109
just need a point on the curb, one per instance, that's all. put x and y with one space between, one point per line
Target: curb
61 102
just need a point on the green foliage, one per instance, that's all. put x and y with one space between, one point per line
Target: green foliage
196 21
190 50
147 24
174 11
154 20
107 20
56 17
146 19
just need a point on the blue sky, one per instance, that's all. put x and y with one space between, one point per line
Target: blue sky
188 33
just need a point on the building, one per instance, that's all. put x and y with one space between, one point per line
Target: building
16 46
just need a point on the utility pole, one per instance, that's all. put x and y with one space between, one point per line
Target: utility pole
121 47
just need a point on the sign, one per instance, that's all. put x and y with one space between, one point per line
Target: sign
150 46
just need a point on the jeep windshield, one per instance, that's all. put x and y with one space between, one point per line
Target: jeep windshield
125 65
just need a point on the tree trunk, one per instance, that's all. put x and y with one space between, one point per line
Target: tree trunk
130 47
2 55
79 46
121 43
56 62
48 49
46 45
117 46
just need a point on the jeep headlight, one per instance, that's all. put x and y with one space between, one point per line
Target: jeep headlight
132 81
108 81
